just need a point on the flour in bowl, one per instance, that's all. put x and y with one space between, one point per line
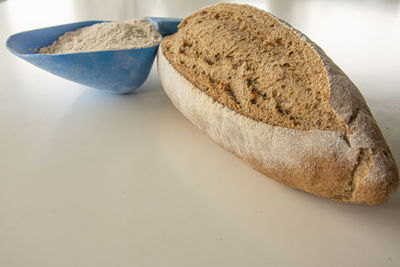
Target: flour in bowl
136 33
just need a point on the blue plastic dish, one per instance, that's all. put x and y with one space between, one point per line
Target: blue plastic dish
116 71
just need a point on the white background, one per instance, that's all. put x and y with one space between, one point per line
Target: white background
93 179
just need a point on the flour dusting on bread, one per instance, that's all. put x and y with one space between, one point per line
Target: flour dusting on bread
265 92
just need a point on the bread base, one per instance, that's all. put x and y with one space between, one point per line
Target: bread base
319 162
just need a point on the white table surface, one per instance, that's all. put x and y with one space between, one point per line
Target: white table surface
93 179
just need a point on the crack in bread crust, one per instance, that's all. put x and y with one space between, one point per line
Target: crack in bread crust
245 59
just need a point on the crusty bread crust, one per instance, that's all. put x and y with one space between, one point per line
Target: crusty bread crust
356 168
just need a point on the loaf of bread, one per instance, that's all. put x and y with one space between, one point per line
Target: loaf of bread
265 92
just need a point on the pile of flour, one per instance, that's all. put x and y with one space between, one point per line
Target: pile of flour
136 33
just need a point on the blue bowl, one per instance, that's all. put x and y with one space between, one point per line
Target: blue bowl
116 71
